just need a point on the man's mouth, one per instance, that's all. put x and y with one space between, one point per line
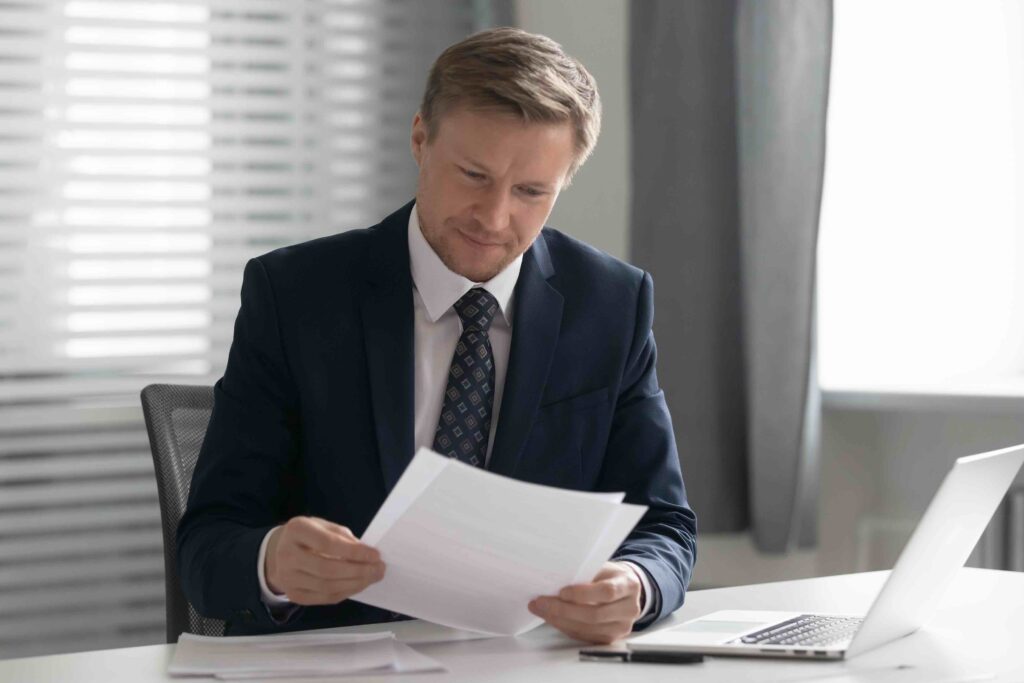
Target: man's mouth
479 242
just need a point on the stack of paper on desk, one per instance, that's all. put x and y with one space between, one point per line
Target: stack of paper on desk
469 549
299 654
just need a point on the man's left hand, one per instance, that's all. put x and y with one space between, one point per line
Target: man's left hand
601 611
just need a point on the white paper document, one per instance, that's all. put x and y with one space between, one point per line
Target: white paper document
294 655
469 549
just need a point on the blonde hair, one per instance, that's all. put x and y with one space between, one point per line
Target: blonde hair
525 74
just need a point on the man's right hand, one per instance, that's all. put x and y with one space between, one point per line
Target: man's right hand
316 562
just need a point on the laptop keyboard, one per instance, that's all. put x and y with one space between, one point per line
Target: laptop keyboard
807 630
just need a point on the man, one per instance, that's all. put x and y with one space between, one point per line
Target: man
459 324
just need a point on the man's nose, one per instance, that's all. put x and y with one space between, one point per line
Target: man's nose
492 210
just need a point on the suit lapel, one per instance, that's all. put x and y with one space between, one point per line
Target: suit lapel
387 312
538 317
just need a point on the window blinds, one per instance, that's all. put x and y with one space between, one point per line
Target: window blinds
147 150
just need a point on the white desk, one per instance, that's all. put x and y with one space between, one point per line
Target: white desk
976 634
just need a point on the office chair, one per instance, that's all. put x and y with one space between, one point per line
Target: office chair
176 419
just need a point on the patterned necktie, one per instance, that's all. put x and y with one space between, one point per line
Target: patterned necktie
465 420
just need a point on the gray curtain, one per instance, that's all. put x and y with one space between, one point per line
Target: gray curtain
728 117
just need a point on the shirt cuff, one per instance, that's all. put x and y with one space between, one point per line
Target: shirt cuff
645 582
270 599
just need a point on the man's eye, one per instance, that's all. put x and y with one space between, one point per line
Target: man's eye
531 192
473 174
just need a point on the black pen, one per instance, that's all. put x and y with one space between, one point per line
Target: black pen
646 656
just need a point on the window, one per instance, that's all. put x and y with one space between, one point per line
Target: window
921 284
148 150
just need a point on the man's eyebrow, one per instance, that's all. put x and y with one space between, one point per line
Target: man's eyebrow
538 184
473 162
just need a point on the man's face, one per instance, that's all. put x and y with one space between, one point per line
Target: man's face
487 183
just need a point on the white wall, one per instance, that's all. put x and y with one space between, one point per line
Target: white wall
884 458
595 208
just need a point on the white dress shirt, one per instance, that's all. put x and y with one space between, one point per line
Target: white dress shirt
437 328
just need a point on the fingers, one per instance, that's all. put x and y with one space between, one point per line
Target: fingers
599 612
553 608
317 591
583 625
329 540
316 562
613 582
337 568
604 634
306 589
304 596
597 593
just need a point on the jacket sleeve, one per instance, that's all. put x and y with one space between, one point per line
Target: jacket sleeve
641 459
245 466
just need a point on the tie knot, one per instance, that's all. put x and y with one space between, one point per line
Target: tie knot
477 308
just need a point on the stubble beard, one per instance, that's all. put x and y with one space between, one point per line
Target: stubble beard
440 243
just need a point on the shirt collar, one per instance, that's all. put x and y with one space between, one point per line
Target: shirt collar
440 288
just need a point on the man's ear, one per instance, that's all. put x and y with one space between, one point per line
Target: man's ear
419 137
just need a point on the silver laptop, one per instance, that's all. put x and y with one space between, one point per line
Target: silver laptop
942 542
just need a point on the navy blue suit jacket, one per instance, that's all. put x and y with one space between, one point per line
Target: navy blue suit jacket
314 413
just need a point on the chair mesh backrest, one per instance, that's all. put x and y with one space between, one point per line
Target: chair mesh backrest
176 419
